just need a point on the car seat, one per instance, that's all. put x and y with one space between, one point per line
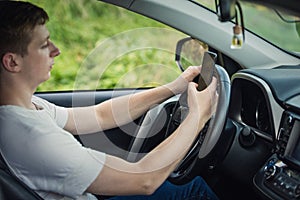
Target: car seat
11 187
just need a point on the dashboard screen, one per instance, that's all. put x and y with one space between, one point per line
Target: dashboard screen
296 152
292 153
296 148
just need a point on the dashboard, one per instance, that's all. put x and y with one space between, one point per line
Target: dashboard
251 106
266 103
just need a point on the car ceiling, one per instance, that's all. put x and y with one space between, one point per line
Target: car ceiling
204 25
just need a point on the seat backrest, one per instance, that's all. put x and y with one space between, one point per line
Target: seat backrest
11 187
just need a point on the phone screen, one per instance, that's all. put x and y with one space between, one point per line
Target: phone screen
207 70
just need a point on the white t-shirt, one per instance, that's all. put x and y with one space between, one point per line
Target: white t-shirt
43 155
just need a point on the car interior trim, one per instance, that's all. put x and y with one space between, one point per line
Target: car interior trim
276 109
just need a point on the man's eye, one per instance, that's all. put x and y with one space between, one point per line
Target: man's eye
46 45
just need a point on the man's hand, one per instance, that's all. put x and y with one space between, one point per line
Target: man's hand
203 103
180 84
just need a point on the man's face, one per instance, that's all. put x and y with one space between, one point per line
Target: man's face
37 63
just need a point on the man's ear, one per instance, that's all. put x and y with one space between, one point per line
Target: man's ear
9 61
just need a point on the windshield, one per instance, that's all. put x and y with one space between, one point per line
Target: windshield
275 26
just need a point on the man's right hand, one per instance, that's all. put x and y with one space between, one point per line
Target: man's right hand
203 103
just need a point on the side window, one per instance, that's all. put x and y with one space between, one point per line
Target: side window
142 57
106 47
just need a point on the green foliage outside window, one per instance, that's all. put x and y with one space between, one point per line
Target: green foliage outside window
80 28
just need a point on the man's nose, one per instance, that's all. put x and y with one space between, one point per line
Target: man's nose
54 51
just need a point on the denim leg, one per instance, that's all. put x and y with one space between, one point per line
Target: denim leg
197 189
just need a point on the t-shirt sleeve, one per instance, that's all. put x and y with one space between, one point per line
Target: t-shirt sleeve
58 113
60 116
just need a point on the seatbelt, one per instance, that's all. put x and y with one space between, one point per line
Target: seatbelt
4 167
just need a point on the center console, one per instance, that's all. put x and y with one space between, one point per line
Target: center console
279 178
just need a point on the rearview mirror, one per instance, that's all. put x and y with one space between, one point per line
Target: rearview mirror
226 10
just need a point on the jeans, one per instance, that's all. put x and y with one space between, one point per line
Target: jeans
197 189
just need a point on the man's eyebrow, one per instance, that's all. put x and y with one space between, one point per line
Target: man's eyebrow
45 39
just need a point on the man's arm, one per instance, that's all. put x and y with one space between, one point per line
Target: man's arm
121 110
119 177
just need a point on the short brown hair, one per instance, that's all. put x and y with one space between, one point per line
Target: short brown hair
17 21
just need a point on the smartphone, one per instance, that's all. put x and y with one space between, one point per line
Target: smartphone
207 70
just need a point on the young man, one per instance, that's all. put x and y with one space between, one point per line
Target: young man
36 138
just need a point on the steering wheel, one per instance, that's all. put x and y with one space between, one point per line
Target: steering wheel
209 135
